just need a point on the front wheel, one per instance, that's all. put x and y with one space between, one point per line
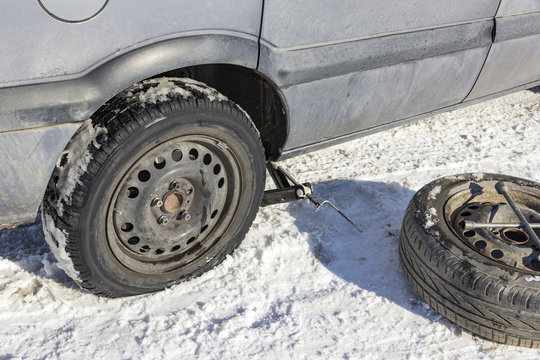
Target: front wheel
169 184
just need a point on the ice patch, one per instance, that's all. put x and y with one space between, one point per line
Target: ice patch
74 162
532 278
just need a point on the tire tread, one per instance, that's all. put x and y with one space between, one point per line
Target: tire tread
476 301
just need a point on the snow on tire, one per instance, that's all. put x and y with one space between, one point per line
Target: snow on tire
486 280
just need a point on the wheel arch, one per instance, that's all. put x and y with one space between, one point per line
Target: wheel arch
253 92
214 58
32 109
224 62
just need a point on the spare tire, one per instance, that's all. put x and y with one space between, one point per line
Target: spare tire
486 280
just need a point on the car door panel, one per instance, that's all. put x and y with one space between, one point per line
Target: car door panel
348 66
514 58
320 62
307 23
337 106
514 7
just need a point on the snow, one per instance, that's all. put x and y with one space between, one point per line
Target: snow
74 161
57 240
431 218
302 285
210 93
434 192
69 169
163 89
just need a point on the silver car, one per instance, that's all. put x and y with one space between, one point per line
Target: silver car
143 129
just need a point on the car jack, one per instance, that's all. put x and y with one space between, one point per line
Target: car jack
288 190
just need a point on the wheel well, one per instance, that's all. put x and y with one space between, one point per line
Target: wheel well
254 93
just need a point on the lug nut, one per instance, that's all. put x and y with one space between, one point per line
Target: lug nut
157 202
162 220
174 186
186 216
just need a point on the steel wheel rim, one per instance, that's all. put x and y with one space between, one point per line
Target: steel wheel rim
481 203
173 204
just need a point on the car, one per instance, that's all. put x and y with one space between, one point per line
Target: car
143 130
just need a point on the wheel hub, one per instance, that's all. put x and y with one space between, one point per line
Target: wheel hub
510 246
169 204
172 203
175 200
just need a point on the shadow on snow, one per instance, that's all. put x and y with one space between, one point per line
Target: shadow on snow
26 246
369 259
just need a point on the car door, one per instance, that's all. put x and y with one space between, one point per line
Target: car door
346 66
514 58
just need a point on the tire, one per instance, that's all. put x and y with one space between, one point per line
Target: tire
159 187
476 279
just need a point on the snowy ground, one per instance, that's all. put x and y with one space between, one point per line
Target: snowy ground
303 285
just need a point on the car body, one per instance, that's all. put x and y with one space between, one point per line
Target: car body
310 74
